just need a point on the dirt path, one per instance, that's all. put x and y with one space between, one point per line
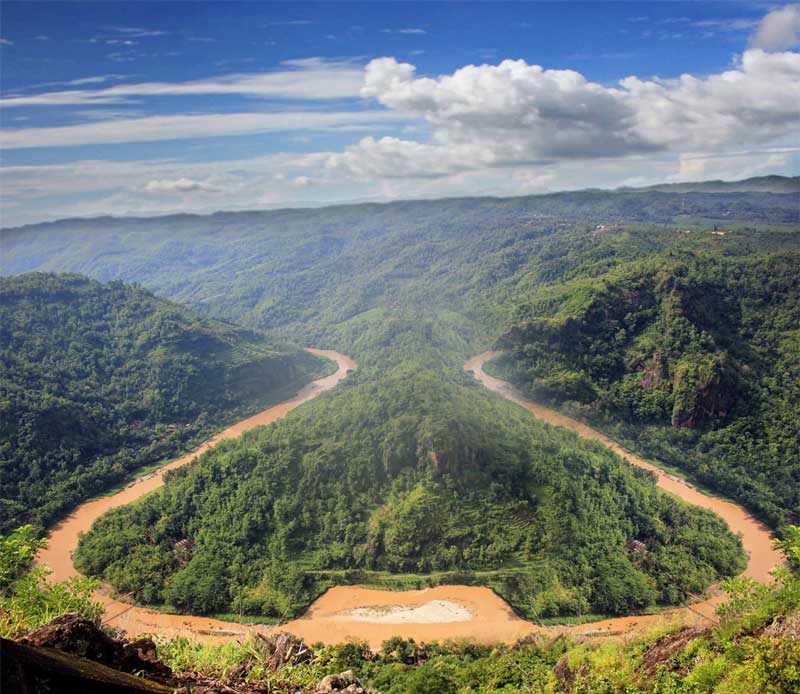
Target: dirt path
63 537
430 614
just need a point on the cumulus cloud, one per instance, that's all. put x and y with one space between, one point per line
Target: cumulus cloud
514 114
6 42
392 158
779 30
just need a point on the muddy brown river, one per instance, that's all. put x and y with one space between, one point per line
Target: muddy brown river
434 613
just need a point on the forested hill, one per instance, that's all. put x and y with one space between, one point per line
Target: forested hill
410 289
764 184
461 273
692 357
300 271
405 478
97 380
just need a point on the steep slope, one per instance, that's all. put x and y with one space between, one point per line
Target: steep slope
694 355
421 474
97 380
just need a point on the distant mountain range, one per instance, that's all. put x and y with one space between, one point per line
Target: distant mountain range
758 184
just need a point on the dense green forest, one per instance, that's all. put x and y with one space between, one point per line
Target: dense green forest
690 355
97 380
409 468
435 479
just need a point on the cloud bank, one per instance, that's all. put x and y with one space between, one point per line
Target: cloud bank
514 114
779 30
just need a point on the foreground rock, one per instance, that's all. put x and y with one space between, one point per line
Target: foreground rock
343 683
72 634
73 654
28 669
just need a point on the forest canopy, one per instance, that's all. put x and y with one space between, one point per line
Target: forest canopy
97 380
408 473
411 471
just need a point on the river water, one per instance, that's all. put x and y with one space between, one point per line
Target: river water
327 621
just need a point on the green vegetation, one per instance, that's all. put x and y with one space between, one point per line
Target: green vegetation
691 355
27 598
97 380
753 649
409 469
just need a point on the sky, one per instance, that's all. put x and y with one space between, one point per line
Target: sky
155 107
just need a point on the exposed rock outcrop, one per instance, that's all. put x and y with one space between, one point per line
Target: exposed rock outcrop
78 636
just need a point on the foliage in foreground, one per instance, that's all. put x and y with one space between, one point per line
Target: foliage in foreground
27 599
753 648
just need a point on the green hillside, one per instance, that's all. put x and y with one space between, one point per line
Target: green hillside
410 469
692 356
97 380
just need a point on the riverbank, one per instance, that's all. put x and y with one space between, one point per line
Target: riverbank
63 537
376 615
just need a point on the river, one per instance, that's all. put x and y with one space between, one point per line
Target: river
434 613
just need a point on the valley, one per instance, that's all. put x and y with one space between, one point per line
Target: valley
345 612
63 538
399 347
432 495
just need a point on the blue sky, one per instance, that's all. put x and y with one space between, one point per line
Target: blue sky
139 108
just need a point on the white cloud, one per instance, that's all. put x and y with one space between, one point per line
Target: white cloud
180 127
515 114
85 188
98 79
779 30
392 158
308 78
711 27
6 42
180 185
509 128
138 32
